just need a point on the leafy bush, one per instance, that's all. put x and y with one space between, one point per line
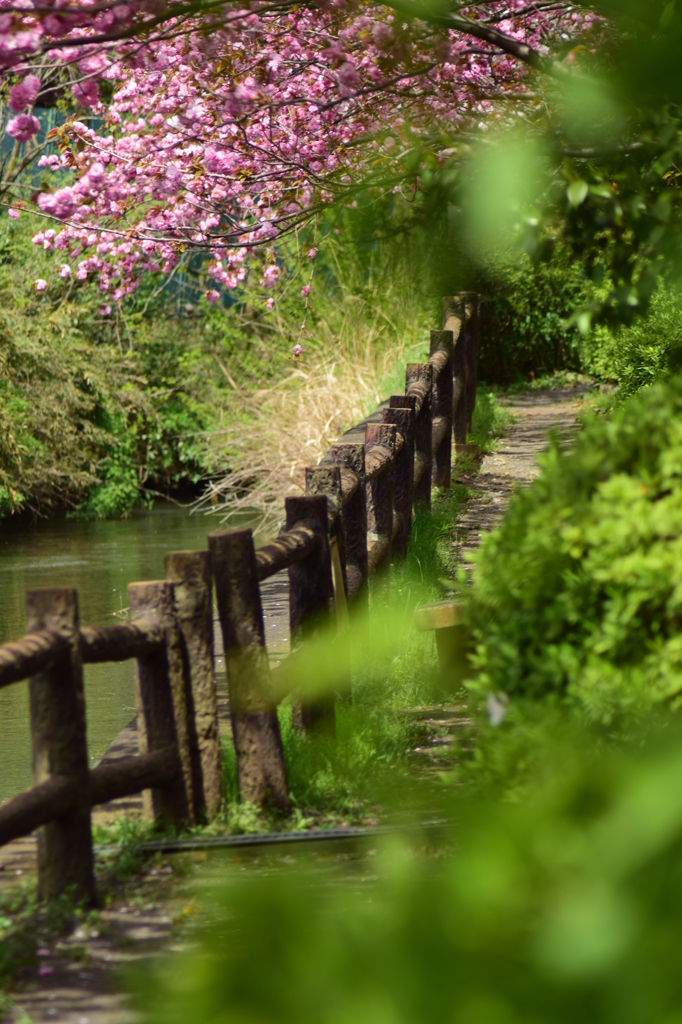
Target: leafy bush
579 591
525 314
645 352
92 409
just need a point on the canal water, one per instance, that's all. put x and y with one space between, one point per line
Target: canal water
99 559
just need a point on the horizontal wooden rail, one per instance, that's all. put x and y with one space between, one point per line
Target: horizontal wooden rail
37 806
377 459
288 549
439 360
420 464
349 485
34 653
440 427
132 774
38 651
420 393
376 551
120 642
55 797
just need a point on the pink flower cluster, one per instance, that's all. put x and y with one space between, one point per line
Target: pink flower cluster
23 127
223 141
24 94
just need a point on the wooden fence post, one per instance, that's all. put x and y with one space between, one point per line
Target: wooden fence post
255 726
469 305
351 455
475 322
441 405
58 735
381 496
421 373
453 320
161 703
310 602
401 414
326 480
190 571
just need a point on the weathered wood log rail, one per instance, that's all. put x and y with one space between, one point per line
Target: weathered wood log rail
355 517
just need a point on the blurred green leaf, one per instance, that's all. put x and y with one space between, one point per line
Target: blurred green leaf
577 192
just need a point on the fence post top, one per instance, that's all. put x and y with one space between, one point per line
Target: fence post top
188 566
306 506
323 474
381 433
406 402
53 601
401 417
233 533
350 455
155 596
419 371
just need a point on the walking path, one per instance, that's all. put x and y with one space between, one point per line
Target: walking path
79 988
512 465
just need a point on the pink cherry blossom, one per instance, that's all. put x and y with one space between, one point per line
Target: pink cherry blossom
212 295
14 214
305 291
270 275
60 204
65 271
23 127
40 285
24 94
86 93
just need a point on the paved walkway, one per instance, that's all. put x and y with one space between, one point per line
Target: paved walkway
514 464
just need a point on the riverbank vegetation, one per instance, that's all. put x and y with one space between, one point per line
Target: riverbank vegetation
228 402
168 391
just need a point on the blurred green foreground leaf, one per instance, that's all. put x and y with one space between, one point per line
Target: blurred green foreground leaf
567 907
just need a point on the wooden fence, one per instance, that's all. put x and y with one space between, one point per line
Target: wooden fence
354 518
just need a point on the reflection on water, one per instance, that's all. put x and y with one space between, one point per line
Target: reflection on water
99 559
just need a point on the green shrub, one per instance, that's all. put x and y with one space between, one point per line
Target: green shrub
525 314
645 352
579 591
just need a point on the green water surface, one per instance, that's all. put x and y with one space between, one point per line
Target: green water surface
99 559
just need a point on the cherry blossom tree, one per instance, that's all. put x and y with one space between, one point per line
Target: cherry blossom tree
227 126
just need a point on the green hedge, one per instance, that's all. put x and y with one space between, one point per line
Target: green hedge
526 310
646 352
579 591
